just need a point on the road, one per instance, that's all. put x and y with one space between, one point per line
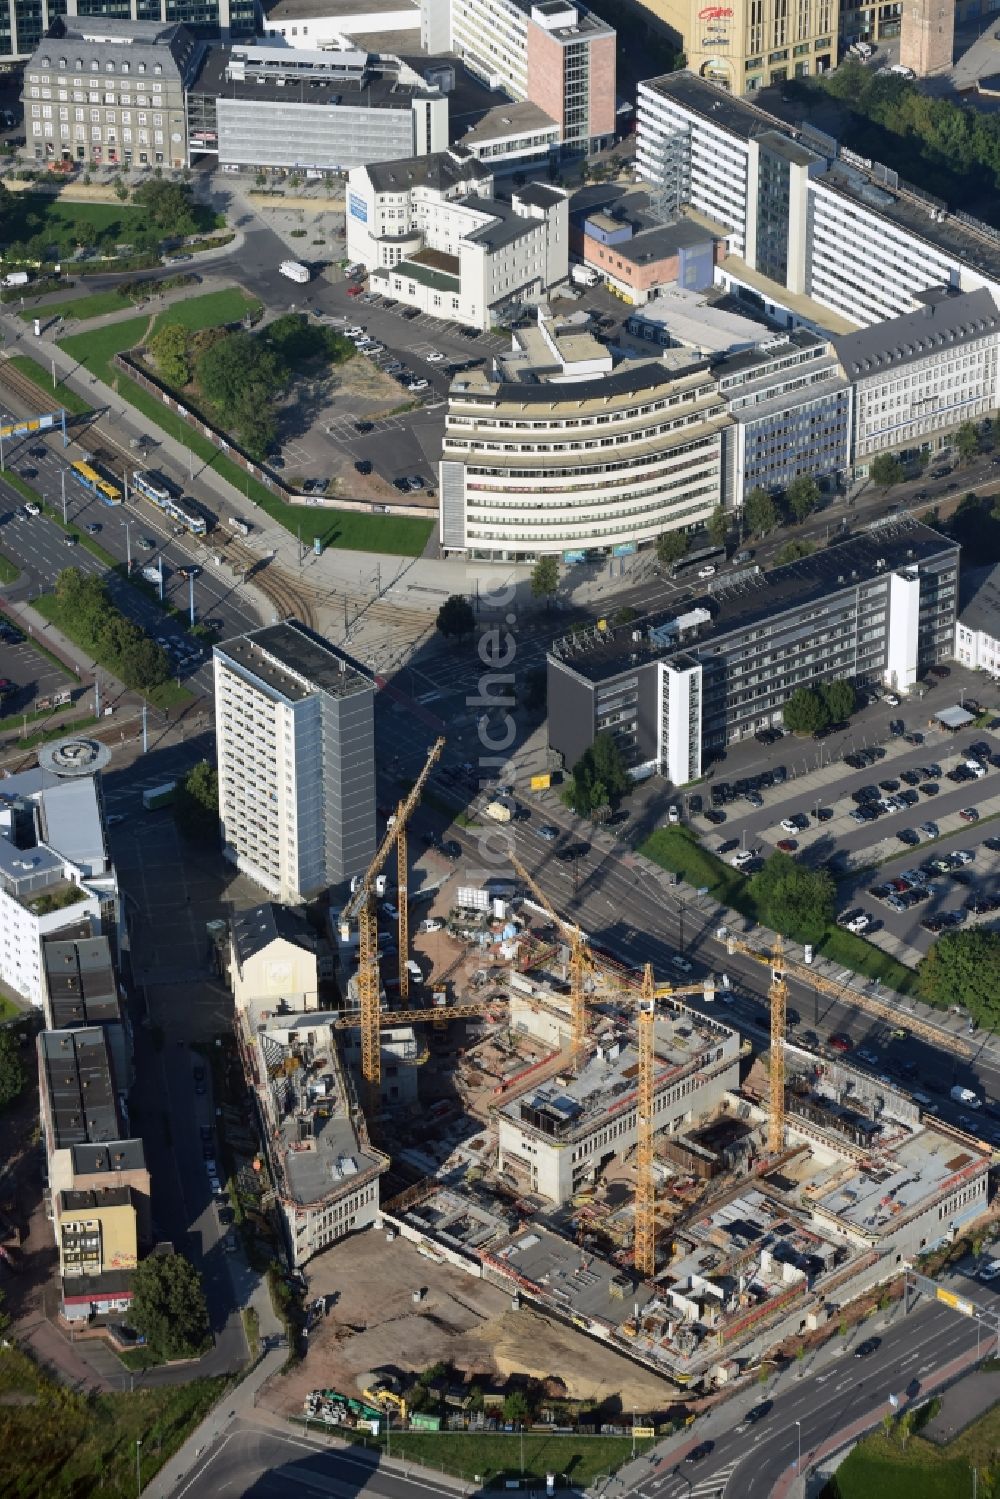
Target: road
825 1394
244 1454
39 548
257 1462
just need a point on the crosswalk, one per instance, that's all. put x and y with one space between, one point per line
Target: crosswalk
676 1484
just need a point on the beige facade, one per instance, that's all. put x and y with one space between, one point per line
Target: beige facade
745 45
96 1232
282 974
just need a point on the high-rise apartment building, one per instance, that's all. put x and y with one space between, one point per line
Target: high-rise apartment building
801 212
556 54
295 735
23 23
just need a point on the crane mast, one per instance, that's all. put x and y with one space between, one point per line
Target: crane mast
361 906
644 1255
580 964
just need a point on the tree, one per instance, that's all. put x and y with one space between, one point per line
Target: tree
671 547
802 497
839 698
121 189
456 617
718 527
12 1074
196 805
967 442
760 512
169 348
793 551
516 1408
168 204
963 968
805 712
599 778
885 471
168 1306
544 578
240 375
795 901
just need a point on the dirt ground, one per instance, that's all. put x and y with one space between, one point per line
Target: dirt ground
469 1323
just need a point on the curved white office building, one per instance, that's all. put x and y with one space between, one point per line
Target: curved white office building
571 458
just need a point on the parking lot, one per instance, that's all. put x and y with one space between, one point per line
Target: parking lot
29 681
897 806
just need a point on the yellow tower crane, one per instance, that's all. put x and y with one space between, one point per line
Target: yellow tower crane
580 964
778 996
644 1253
361 907
645 1190
858 998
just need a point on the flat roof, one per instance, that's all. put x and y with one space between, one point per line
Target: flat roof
608 1080
804 307
979 600
624 382
76 1068
721 108
880 550
318 1143
358 86
80 978
876 1193
440 170
336 9
955 717
105 1159
576 1281
293 662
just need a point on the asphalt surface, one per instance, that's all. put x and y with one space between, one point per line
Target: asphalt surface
835 1389
259 1463
38 546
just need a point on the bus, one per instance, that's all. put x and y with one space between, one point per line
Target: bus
157 490
106 492
702 557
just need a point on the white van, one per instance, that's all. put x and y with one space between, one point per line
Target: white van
861 50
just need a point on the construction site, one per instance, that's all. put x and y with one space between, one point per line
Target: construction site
602 1149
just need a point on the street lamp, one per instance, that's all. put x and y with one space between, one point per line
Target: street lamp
138 1469
798 1460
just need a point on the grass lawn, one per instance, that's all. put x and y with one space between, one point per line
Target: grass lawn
404 536
9 571
880 1468
8 1009
193 313
678 850
59 221
98 304
60 1444
61 394
889 1474
492 1456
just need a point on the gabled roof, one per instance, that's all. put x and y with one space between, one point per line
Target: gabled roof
255 930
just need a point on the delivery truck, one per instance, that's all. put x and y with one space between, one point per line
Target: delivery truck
159 796
295 271
583 275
